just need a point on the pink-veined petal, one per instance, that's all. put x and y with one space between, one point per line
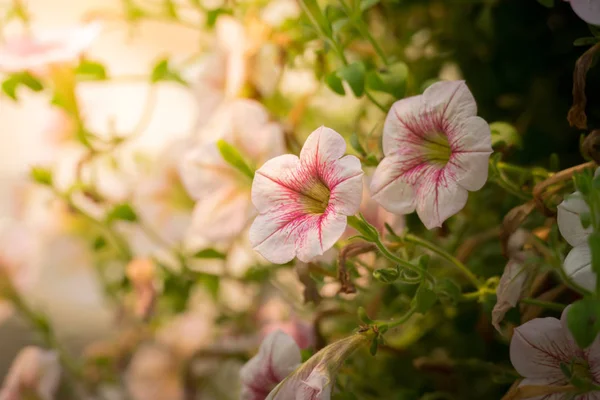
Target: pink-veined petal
275 182
396 129
439 197
344 179
389 187
569 222
278 356
578 265
452 101
323 146
544 382
316 387
539 346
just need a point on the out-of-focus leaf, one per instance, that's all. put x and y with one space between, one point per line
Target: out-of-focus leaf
163 72
354 74
505 135
12 83
424 299
41 175
234 158
91 70
585 41
210 253
121 212
366 4
390 80
583 320
547 3
335 83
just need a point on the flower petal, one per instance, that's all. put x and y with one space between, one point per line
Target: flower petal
344 179
578 265
203 171
396 129
275 183
389 187
278 356
510 289
569 222
438 197
587 10
322 146
539 346
452 100
279 236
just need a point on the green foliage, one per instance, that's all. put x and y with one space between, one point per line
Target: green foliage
234 158
354 74
583 320
209 253
424 299
41 175
162 71
14 81
121 212
91 71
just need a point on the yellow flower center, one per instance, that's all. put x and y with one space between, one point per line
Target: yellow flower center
437 148
316 198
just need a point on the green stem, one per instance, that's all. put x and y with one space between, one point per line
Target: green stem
510 188
400 321
444 254
545 304
404 264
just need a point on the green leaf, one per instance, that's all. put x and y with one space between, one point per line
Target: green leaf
505 135
163 72
387 275
356 145
547 3
354 74
340 25
91 70
234 158
585 41
170 9
366 4
583 320
41 175
213 15
99 243
424 299
391 80
312 7
211 283
12 83
335 83
449 288
210 253
374 346
121 212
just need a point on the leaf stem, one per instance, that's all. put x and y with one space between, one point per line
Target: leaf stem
545 304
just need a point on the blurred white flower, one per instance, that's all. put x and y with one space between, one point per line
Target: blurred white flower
34 372
222 193
152 374
39 50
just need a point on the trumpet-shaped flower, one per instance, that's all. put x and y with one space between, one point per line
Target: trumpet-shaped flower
35 372
540 346
578 263
222 193
278 356
304 202
436 150
587 10
39 50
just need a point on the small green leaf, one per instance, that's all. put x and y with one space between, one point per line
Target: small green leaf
211 283
547 3
505 135
335 83
213 15
312 7
163 72
234 158
41 175
356 145
424 299
91 70
362 315
170 9
354 74
374 346
210 253
391 80
387 275
585 41
366 4
583 320
99 243
12 83
121 212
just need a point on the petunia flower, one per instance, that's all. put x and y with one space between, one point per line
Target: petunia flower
34 372
587 10
222 193
436 150
304 202
578 263
278 356
39 50
540 346
314 380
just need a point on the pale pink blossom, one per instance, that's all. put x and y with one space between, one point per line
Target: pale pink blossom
278 356
587 10
36 51
315 379
223 193
276 314
578 263
34 371
141 274
540 346
187 333
436 150
304 202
